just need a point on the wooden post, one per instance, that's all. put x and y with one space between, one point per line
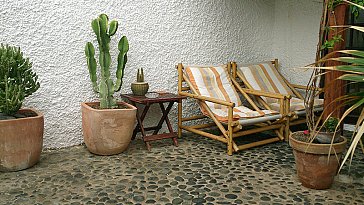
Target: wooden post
336 88
180 73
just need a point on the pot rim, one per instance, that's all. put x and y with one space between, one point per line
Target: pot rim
39 115
312 148
87 106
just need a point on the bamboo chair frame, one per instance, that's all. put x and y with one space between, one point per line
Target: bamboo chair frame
232 128
293 117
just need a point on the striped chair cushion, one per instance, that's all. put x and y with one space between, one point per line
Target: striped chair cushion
213 81
265 77
296 104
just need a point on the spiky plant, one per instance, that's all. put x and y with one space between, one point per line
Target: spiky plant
106 87
17 80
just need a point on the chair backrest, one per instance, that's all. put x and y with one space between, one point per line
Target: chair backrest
264 77
213 81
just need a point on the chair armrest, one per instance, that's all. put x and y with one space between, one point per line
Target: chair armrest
210 99
266 94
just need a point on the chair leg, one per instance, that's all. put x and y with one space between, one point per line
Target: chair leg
230 132
179 119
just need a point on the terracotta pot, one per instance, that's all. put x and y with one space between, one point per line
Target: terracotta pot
21 141
315 168
107 131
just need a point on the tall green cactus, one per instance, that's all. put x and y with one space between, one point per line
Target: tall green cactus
106 87
17 80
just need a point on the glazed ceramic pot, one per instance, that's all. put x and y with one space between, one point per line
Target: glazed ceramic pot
139 88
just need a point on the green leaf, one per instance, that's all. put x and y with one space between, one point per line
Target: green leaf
352 77
358 61
353 52
352 68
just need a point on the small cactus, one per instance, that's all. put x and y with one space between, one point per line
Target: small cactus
140 75
106 87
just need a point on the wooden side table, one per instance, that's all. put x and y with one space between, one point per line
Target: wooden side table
147 100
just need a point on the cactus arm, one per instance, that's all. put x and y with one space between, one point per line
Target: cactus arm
91 63
123 47
113 28
96 28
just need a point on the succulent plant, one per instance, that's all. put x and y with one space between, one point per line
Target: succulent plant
106 87
140 75
17 80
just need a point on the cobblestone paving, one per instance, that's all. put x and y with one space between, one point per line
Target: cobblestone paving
197 172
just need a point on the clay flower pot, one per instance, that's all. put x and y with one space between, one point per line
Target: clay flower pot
315 169
21 141
107 131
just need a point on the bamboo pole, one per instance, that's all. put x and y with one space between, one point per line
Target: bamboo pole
205 134
258 143
255 130
179 67
195 117
230 129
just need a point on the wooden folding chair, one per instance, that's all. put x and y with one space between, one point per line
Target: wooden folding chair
266 77
219 101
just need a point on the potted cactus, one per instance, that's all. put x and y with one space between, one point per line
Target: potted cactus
21 130
107 125
140 87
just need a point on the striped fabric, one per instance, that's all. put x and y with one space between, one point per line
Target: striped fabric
296 104
213 81
265 77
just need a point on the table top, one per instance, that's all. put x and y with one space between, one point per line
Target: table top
153 97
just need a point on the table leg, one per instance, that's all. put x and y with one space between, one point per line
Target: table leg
166 119
140 119
164 116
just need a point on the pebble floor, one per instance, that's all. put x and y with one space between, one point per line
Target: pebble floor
197 172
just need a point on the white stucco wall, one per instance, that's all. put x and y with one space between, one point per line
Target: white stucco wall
161 33
296 30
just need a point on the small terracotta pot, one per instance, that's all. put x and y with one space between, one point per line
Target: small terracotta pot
21 141
107 131
316 169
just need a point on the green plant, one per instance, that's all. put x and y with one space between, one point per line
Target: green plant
106 87
331 124
353 69
17 80
140 75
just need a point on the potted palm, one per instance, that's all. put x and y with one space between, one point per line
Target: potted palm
21 130
107 125
317 164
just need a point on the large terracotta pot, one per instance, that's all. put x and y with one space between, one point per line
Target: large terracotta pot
107 131
315 168
21 141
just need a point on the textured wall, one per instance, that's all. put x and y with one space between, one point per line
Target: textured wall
161 33
295 37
